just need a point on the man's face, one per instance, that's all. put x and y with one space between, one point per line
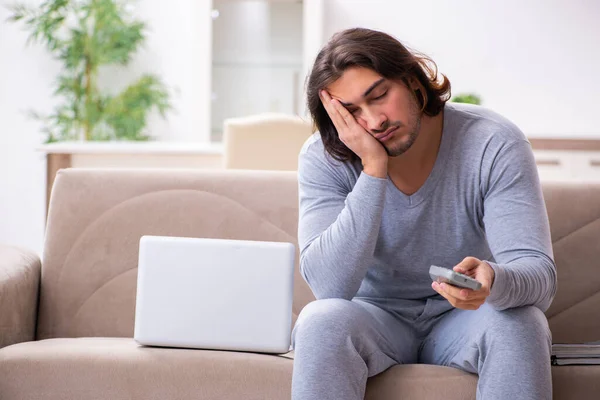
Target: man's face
380 105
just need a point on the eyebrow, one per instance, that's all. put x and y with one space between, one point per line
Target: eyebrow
366 93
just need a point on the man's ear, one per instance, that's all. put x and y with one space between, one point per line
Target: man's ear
419 92
415 85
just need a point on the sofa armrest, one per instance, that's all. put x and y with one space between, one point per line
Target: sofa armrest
19 287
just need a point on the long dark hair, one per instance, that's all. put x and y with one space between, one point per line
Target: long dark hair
382 53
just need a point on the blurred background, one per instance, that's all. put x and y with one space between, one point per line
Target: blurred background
160 84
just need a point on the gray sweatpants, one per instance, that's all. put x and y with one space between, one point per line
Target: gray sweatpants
339 344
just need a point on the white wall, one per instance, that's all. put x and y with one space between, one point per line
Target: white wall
534 61
24 85
178 48
313 39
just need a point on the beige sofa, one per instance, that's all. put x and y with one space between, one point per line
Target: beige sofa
77 343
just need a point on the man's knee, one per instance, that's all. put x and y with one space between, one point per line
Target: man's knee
332 318
526 322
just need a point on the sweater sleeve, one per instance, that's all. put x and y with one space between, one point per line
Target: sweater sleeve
338 225
518 232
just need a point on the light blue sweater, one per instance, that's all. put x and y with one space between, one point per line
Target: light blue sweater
361 237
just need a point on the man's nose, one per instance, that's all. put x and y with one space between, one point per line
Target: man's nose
376 121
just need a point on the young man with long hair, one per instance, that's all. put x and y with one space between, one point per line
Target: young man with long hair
398 179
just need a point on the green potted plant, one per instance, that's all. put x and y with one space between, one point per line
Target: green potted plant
470 98
84 35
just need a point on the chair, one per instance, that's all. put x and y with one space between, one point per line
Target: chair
266 141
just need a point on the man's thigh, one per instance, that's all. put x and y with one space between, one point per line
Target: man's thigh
371 328
460 337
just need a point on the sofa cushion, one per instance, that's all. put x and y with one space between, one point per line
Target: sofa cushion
420 381
118 368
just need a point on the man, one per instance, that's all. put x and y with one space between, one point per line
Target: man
397 180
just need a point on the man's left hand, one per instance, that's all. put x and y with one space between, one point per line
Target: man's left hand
468 299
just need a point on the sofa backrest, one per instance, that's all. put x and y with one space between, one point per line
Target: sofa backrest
96 218
574 213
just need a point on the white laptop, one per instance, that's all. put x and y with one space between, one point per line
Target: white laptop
214 294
